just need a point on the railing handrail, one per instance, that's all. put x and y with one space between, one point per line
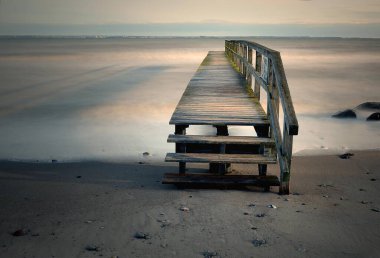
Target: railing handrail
273 79
286 101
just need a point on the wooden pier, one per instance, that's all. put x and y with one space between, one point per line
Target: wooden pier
225 91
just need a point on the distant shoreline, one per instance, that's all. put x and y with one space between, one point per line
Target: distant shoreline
169 37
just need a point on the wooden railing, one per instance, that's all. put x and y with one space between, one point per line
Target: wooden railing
268 73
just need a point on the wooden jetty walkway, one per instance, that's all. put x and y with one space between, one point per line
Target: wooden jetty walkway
225 91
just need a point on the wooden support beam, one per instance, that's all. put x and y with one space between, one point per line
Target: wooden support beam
181 147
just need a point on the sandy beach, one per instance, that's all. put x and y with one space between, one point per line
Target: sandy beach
92 209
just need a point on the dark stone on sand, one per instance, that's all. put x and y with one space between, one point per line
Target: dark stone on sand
54 161
346 155
20 232
260 215
374 117
208 254
373 179
348 113
92 248
369 105
146 153
375 210
259 242
295 193
142 235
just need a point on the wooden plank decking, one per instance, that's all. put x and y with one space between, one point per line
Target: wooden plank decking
218 95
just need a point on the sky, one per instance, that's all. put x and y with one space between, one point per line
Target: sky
347 18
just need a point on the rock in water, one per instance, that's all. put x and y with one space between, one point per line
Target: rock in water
369 105
346 155
374 117
348 113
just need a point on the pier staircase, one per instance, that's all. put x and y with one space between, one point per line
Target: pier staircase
225 91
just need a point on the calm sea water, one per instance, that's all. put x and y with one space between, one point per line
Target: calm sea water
111 99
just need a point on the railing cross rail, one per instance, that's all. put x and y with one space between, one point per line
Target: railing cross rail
271 77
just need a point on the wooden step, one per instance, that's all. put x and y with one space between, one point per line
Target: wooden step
203 139
220 158
217 181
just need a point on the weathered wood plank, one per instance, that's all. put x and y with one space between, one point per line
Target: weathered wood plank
220 158
202 139
212 180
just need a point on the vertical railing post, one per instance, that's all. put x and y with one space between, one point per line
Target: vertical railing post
244 55
287 149
248 74
258 70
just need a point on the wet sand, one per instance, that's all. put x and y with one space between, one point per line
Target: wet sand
68 207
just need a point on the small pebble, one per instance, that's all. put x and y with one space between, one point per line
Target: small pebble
20 232
301 249
303 203
295 193
364 202
326 196
79 176
246 213
54 161
184 209
142 235
373 179
272 206
362 190
375 210
259 242
251 205
146 153
260 215
208 254
92 248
